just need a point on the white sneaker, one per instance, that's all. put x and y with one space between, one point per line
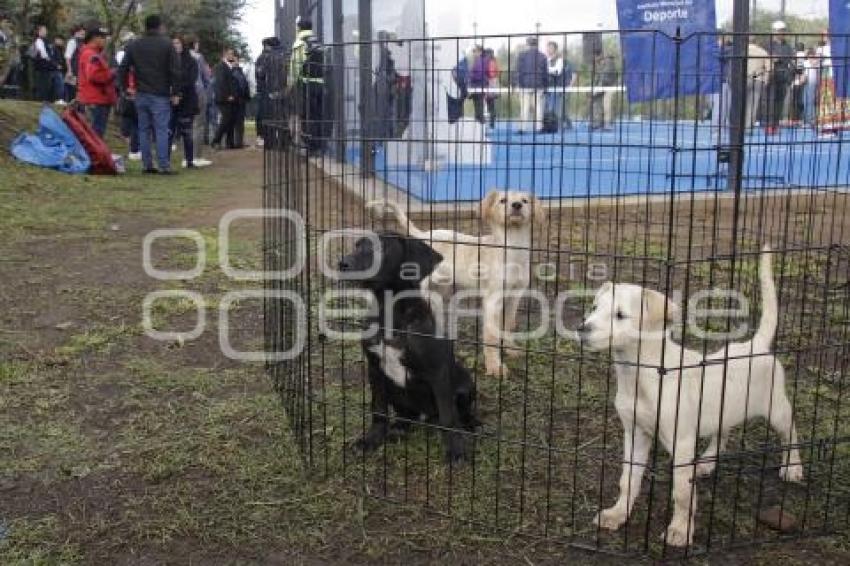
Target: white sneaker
173 147
60 102
259 142
198 162
135 156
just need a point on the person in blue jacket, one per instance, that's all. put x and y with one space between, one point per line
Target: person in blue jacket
532 77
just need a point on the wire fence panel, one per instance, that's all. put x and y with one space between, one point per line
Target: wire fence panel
658 359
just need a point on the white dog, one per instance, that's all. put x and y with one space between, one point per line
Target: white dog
630 321
498 264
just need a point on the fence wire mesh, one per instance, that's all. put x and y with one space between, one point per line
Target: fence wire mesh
631 192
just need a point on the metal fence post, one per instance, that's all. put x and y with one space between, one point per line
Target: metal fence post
738 88
338 81
364 15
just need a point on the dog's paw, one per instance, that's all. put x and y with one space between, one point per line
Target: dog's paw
611 519
365 444
513 351
496 369
456 450
791 472
678 534
705 469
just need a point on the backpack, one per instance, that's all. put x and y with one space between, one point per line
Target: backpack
313 66
97 150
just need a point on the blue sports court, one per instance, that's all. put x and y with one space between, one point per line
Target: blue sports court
634 157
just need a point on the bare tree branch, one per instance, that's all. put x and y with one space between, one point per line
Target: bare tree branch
122 23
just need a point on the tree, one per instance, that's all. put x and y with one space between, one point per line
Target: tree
800 30
213 21
115 16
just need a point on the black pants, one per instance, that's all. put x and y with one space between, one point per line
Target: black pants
263 105
44 86
478 105
182 126
776 93
226 122
239 124
796 109
313 124
478 102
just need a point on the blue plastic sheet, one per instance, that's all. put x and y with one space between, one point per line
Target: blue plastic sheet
839 28
53 146
649 48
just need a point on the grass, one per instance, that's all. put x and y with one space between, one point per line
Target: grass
559 402
76 205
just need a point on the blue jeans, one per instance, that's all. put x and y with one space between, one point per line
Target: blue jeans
99 117
810 102
154 114
58 86
556 103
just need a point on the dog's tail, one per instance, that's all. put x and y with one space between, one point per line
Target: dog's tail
769 303
400 216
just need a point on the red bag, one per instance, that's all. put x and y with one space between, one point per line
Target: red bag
99 152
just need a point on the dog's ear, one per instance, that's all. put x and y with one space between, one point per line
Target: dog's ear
486 211
605 289
421 255
654 306
540 216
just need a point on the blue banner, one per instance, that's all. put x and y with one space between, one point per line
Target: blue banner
649 57
839 28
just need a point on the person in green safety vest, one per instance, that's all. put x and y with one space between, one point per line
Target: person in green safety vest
306 79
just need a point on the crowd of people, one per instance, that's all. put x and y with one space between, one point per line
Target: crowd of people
787 85
542 81
162 90
159 87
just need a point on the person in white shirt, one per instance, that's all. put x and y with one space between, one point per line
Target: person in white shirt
43 65
811 74
72 52
795 95
824 53
560 76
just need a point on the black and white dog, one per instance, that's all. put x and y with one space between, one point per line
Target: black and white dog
411 368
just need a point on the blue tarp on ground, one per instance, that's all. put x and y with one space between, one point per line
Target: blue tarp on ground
53 146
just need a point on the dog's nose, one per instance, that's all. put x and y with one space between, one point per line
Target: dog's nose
344 264
583 328
517 205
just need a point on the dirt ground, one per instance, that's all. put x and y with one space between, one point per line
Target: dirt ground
118 449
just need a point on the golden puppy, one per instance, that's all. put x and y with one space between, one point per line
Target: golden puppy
498 265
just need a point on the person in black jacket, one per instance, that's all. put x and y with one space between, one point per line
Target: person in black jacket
269 75
44 65
225 99
782 58
183 114
243 96
156 69
57 78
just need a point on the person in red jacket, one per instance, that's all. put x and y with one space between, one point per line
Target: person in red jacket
96 83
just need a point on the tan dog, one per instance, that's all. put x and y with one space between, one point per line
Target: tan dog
498 264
